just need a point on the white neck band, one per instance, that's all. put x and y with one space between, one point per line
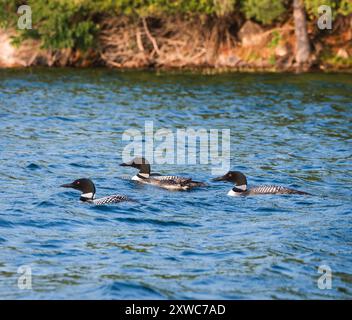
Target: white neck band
88 195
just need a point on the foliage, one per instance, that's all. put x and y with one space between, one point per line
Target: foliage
312 6
8 9
333 59
272 60
75 23
57 23
72 25
275 39
264 11
343 7
154 7
224 7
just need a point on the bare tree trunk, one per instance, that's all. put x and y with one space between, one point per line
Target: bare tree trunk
303 49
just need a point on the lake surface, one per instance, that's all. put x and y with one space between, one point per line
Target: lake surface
62 124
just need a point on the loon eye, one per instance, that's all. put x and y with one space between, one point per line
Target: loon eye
77 182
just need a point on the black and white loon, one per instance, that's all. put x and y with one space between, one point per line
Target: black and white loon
87 187
167 182
240 189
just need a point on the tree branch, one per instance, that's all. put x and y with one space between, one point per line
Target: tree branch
150 37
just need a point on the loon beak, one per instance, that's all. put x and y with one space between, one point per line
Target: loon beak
67 185
223 178
126 164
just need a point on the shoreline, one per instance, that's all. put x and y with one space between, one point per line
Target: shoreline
168 45
170 70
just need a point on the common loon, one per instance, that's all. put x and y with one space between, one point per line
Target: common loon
87 187
240 189
166 182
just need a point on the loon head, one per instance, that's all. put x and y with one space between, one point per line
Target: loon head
86 186
236 177
138 163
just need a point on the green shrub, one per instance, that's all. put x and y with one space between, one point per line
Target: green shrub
60 24
343 7
8 10
75 23
224 7
264 11
312 6
275 39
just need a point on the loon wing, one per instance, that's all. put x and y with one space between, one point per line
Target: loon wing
111 199
174 182
176 179
274 190
182 181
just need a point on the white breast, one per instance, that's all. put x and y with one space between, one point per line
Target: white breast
89 195
233 193
136 178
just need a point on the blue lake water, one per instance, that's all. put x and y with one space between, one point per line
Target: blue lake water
61 124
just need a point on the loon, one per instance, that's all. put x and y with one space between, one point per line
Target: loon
240 189
87 187
166 182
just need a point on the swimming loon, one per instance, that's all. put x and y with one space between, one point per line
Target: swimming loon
87 187
166 182
240 189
